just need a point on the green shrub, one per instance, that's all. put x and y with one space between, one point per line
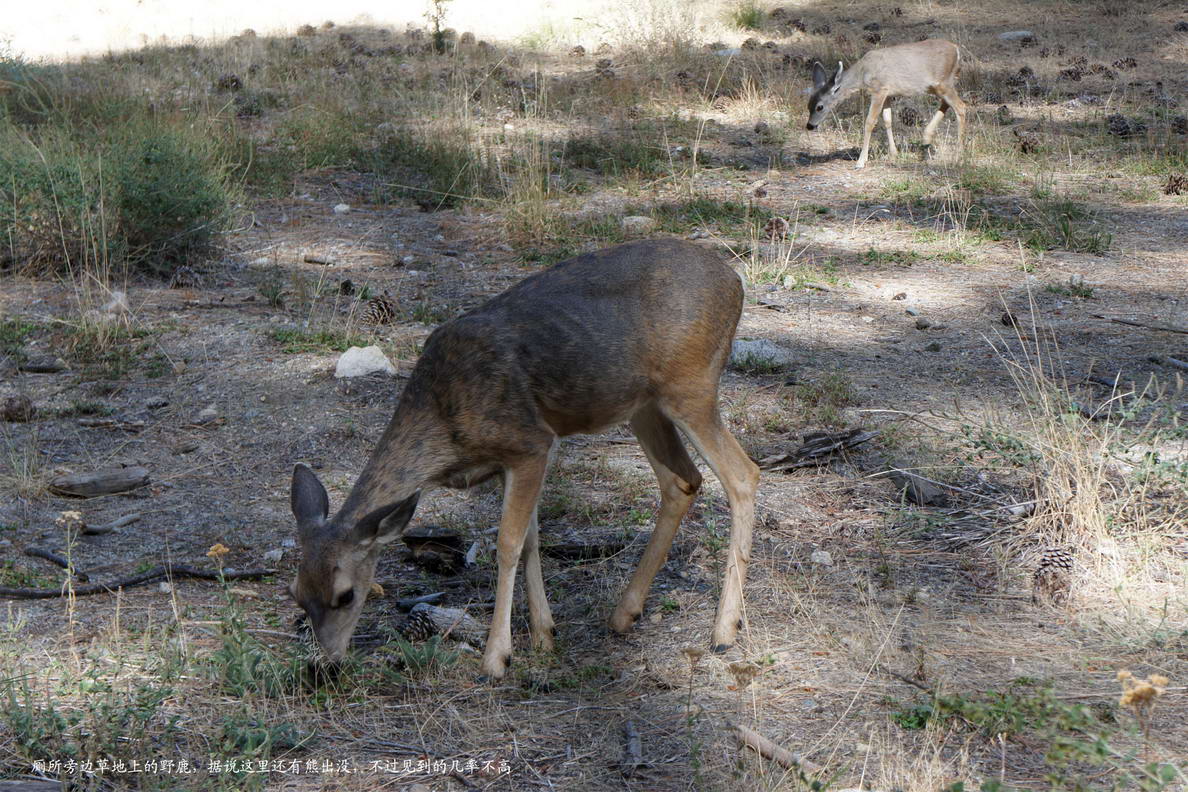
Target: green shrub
152 197
170 198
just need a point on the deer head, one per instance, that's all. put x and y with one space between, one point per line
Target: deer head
824 94
338 559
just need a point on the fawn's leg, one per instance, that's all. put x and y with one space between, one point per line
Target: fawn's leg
872 118
679 482
950 97
891 149
930 130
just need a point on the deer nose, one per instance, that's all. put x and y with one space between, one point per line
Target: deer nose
810 127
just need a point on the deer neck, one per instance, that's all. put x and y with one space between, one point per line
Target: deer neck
850 84
413 452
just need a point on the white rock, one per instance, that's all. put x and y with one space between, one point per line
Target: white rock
272 556
342 208
208 415
821 557
360 361
1015 35
729 52
637 225
760 351
165 588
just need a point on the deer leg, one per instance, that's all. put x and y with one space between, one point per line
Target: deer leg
950 97
740 478
887 124
930 130
679 482
540 616
872 118
521 488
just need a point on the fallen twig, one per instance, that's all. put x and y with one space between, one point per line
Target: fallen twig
1164 328
632 749
157 572
752 739
108 527
54 558
1166 360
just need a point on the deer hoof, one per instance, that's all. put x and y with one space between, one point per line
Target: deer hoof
721 648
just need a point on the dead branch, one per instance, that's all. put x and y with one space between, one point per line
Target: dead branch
815 447
1164 328
99 482
1166 360
748 738
632 749
108 527
144 578
54 558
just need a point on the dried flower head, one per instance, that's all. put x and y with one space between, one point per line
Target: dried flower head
217 551
693 654
1139 695
744 674
69 519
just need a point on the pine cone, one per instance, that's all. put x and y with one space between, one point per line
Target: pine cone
1053 575
380 310
417 627
185 278
1176 184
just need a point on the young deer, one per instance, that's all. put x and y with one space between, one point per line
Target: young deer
639 333
906 70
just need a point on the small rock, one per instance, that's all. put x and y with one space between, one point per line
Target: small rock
184 447
43 364
360 361
637 225
156 402
729 52
759 353
762 128
1181 27
1016 35
342 209
922 323
165 588
208 415
911 312
18 408
933 347
821 557
900 296
273 556
655 618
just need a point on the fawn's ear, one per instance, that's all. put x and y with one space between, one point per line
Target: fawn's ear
386 524
818 76
308 497
837 75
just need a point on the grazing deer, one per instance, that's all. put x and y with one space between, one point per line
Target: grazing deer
639 333
906 70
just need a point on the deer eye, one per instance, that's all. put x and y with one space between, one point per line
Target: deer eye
345 599
820 107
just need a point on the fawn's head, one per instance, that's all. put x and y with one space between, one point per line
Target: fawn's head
823 94
337 560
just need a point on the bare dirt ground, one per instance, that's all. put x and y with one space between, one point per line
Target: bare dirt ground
939 595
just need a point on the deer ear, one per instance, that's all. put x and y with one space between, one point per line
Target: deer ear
387 523
308 497
837 75
818 75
